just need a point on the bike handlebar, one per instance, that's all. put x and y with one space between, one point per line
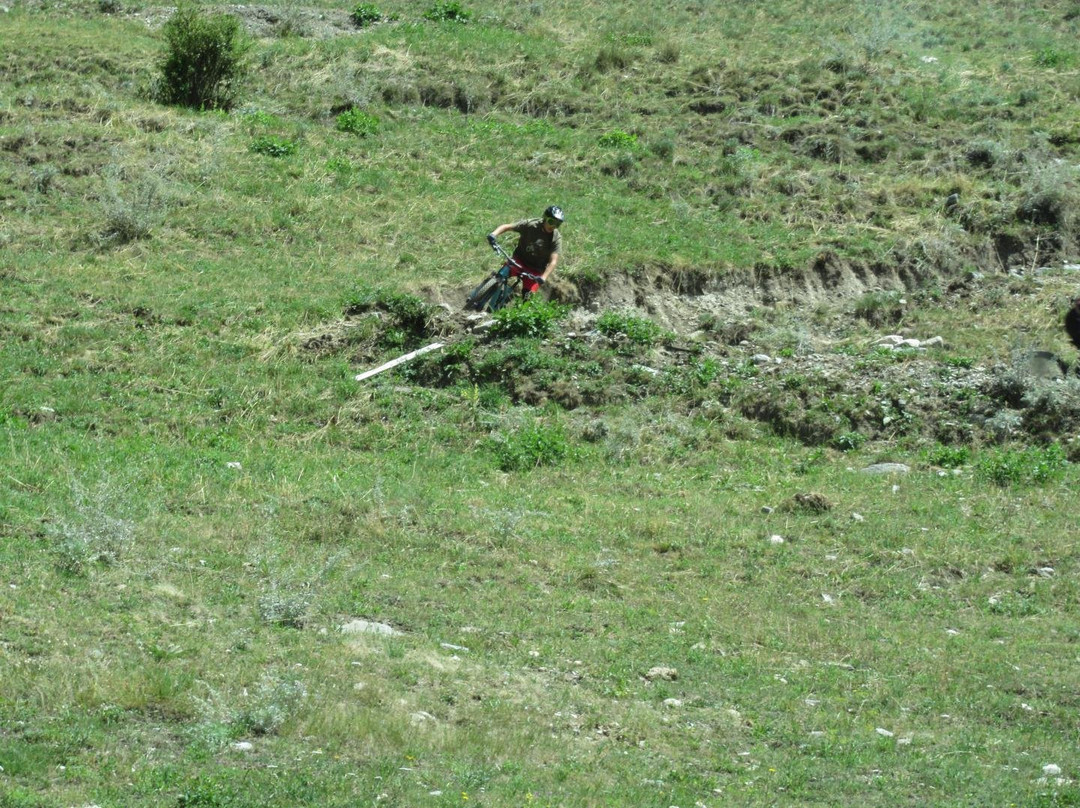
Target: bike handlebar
516 264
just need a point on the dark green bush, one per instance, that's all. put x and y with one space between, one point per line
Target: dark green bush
533 318
626 326
447 11
1031 466
366 14
533 446
204 60
273 146
357 122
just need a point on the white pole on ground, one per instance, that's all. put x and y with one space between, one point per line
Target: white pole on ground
393 363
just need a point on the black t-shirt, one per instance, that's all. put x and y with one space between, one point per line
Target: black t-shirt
535 245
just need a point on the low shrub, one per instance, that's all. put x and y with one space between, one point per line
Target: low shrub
617 139
948 457
357 122
622 325
273 146
366 14
1035 465
533 318
532 446
448 11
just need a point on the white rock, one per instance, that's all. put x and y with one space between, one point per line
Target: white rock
775 539
452 647
857 517
421 717
1051 770
891 339
367 627
673 703
761 359
904 741
910 343
243 746
827 598
233 465
662 672
934 342
884 733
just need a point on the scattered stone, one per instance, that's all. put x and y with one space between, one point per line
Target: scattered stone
887 468
243 746
904 741
1051 770
935 342
891 339
1045 572
775 539
761 359
884 733
367 627
766 509
857 517
673 703
451 647
662 673
234 465
1072 267
421 717
828 598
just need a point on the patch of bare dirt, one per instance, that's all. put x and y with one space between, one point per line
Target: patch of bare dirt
265 22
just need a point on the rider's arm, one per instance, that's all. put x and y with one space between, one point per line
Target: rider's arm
502 228
552 261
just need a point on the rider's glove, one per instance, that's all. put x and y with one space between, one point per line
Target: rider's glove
540 281
491 240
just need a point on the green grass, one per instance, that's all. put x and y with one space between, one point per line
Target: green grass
195 494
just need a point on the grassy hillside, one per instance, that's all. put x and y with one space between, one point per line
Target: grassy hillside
625 540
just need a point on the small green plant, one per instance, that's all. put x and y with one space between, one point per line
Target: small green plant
1051 57
532 446
204 59
948 457
533 318
880 308
273 146
255 119
366 14
1030 466
448 11
848 441
617 139
622 325
357 122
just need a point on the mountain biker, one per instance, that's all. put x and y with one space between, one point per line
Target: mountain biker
539 242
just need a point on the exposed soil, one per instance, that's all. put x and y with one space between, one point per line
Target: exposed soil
724 361
269 21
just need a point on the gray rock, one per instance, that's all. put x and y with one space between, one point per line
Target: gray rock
663 673
887 468
761 359
366 627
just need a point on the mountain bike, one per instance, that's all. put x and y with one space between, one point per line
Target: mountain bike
497 290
